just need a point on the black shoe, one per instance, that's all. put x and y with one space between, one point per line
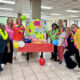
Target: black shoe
60 62
1 69
51 58
55 59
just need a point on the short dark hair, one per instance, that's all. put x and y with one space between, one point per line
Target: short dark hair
75 25
55 25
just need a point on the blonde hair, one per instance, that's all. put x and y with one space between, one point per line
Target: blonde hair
69 29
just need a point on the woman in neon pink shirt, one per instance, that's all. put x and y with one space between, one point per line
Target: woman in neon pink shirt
8 57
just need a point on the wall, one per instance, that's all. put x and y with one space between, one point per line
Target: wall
70 21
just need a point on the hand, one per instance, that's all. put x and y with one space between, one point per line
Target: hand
61 45
9 50
66 50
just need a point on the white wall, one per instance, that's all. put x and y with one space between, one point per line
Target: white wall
70 21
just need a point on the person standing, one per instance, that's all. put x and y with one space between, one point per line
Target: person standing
52 34
4 41
61 43
18 34
9 29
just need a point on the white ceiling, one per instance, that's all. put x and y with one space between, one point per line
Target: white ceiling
59 7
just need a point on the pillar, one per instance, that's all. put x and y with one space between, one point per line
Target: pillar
35 9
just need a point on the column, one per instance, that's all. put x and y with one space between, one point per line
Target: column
35 9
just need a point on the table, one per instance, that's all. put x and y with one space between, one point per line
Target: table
33 47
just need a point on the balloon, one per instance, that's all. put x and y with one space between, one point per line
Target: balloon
55 42
15 45
45 22
41 61
23 17
21 44
27 41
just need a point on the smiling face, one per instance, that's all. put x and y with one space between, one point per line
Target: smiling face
74 27
61 28
19 21
54 27
10 21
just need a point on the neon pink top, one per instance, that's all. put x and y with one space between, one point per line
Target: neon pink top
10 32
66 43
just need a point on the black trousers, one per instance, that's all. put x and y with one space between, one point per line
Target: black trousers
8 57
54 55
1 54
69 62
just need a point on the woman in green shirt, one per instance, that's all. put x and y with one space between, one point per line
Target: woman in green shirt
52 34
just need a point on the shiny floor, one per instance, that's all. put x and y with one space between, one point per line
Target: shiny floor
21 70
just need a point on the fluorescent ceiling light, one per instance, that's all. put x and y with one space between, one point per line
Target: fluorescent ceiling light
73 11
9 9
6 1
55 14
46 7
73 16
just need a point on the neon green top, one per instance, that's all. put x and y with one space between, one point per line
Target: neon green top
52 34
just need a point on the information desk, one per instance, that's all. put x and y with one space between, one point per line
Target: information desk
33 47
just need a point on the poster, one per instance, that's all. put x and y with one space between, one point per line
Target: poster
37 29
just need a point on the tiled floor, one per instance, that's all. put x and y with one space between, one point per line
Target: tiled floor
21 70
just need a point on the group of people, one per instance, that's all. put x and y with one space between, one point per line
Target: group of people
14 32
10 33
66 46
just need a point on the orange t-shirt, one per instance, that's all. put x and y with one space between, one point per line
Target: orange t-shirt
18 32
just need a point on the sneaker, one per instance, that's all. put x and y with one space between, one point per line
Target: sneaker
2 66
77 69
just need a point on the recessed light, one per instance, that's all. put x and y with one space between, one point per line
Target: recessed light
46 7
8 2
73 11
